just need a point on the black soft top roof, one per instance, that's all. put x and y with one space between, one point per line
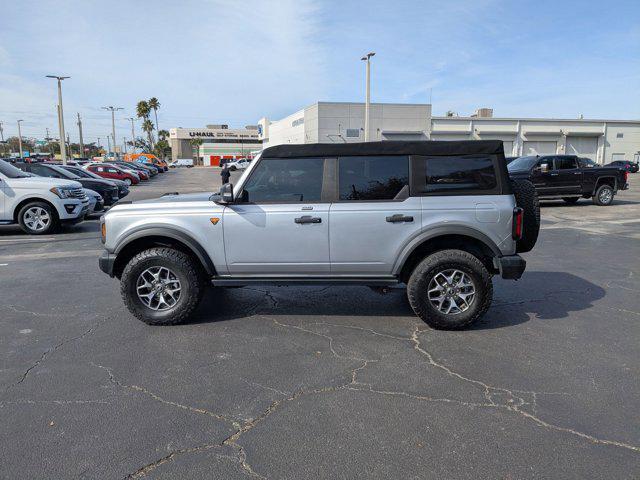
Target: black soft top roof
463 147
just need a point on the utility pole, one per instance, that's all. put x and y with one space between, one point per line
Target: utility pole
133 135
48 139
109 143
81 142
1 136
124 143
63 149
20 138
367 103
113 110
69 146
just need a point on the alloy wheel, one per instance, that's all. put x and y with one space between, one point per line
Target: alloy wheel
158 288
37 219
451 291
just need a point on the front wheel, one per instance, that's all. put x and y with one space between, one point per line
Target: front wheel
37 218
604 196
450 289
162 286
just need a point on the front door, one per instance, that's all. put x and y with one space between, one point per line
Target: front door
373 216
541 176
567 177
279 225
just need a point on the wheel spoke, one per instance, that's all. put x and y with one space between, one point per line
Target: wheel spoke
451 291
158 288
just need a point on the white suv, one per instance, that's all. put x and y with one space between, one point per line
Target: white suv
39 204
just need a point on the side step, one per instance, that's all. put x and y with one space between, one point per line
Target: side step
6 222
281 281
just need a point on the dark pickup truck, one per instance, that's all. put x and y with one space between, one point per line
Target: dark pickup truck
568 178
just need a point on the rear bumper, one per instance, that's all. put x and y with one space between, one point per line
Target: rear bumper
511 266
106 261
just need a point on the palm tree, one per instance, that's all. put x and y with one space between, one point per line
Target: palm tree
154 105
196 142
163 134
143 109
147 126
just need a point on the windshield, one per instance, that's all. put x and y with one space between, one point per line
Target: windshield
522 163
10 171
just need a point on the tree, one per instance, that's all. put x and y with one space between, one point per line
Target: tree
163 134
154 105
147 127
196 142
143 111
162 149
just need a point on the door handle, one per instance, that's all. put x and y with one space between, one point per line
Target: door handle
308 219
577 173
398 217
554 174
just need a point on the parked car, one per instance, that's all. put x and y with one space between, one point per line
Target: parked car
39 204
96 202
113 172
441 217
105 188
629 166
139 170
561 176
123 188
241 164
182 162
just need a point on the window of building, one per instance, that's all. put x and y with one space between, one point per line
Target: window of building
285 180
619 135
469 172
372 178
353 132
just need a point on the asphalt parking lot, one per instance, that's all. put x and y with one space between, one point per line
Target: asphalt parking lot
337 382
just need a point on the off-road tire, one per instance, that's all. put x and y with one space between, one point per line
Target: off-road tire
418 284
527 199
53 224
596 198
186 269
571 200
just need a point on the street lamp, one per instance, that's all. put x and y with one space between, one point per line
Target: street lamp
367 103
113 110
20 138
63 146
133 135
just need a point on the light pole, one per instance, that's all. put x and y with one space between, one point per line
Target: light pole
63 147
113 123
20 138
133 136
109 143
367 103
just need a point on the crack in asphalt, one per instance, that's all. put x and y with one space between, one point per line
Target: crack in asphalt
49 351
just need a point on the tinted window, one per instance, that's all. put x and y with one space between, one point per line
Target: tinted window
43 171
522 163
285 180
469 172
372 178
565 163
587 163
10 171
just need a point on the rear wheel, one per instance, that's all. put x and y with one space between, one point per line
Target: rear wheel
527 199
37 218
162 286
450 289
604 196
571 200
127 181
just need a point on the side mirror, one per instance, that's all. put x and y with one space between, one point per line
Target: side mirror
544 167
226 193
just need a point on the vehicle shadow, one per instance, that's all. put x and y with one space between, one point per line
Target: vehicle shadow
583 203
537 296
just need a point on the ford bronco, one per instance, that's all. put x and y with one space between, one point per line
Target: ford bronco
440 217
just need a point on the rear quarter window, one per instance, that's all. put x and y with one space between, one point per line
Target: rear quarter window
465 174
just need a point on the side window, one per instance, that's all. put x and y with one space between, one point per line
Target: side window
42 171
100 169
460 173
285 180
372 178
112 170
565 163
548 161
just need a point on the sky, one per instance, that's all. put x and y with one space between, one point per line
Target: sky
235 61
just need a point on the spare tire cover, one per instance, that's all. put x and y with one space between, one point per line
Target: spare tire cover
527 199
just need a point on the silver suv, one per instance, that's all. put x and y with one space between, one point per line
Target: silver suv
440 217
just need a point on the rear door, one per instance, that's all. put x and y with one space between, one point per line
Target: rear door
279 225
373 216
566 176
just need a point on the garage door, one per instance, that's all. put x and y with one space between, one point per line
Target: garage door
582 146
508 148
539 148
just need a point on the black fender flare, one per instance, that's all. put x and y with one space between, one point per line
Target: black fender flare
174 233
596 185
442 231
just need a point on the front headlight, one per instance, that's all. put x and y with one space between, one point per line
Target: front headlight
61 192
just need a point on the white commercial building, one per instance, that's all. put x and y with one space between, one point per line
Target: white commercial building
323 122
214 143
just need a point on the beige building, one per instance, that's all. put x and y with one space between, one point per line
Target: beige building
323 122
219 142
